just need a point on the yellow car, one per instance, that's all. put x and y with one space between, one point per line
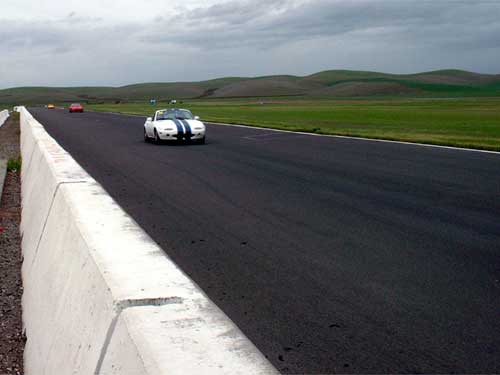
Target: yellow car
51 106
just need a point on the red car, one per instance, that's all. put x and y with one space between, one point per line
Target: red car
75 107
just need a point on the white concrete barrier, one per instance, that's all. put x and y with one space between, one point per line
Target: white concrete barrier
4 115
100 297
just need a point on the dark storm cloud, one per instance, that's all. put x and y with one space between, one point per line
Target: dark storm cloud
252 38
263 23
269 23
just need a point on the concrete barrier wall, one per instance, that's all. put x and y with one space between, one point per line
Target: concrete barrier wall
3 116
100 297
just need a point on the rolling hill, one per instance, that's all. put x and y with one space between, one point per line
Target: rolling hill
327 84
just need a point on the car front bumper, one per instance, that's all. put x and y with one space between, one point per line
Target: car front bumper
174 136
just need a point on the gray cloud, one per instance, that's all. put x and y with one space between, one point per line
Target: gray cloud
260 23
253 38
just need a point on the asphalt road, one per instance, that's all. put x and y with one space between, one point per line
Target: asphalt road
332 255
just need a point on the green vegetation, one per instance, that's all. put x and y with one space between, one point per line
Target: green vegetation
14 165
327 84
445 107
472 122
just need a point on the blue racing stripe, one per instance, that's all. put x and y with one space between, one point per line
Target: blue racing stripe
189 133
180 130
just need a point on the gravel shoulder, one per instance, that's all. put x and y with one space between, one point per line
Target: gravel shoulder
12 338
9 138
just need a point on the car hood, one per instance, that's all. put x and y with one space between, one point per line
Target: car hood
173 123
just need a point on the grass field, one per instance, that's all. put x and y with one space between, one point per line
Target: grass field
472 123
329 84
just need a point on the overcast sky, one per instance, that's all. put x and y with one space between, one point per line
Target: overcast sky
117 42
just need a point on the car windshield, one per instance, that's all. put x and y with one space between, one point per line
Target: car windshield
76 105
173 114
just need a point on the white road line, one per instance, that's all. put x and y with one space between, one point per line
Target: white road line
117 113
267 136
338 136
359 138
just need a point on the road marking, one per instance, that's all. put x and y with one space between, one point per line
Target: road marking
357 138
117 113
268 136
339 136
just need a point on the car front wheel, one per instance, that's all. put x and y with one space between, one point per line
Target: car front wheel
157 138
146 138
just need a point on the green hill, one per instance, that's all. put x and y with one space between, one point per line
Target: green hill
333 83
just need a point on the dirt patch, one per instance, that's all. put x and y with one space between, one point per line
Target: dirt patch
349 89
274 86
11 336
9 138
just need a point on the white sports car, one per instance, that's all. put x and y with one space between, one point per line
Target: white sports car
174 125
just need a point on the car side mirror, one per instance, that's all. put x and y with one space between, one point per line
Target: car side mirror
196 117
149 119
